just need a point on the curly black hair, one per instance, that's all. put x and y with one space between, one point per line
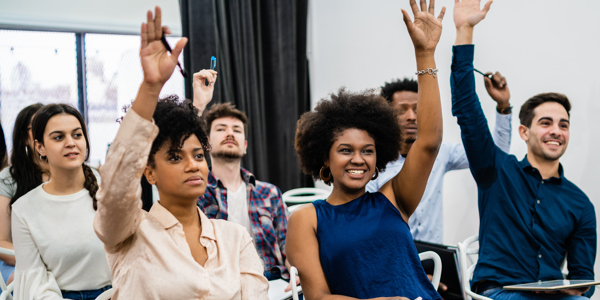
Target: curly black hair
317 130
398 85
177 120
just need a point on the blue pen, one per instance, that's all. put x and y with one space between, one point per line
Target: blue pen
213 63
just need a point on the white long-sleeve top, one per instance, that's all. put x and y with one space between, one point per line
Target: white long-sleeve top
56 247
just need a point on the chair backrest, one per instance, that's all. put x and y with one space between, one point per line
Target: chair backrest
106 295
5 251
437 266
293 274
6 293
468 252
304 195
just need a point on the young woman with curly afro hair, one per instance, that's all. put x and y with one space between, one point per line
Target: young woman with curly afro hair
357 245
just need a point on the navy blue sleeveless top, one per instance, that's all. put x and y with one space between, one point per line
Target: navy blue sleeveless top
367 251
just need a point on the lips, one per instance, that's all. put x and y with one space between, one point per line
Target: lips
71 154
194 180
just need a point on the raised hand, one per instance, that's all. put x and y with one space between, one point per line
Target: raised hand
426 29
157 63
203 93
497 89
468 13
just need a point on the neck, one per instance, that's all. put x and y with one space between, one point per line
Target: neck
404 148
340 196
185 211
227 171
65 182
547 168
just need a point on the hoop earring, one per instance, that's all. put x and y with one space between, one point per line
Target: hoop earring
43 158
376 174
26 150
325 179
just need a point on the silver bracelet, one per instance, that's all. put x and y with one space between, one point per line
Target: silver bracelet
429 71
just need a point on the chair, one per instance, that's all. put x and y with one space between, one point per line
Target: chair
106 295
7 293
467 266
437 271
303 195
437 266
293 274
3 286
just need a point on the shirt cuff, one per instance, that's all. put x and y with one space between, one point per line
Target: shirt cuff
463 53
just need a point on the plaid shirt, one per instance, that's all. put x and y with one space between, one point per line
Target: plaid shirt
268 216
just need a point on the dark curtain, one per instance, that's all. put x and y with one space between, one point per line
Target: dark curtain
262 68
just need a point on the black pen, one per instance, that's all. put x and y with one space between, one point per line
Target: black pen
488 76
163 39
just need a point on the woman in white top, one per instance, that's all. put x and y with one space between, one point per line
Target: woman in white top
27 171
57 252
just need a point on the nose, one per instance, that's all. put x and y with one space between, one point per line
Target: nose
191 165
69 141
555 131
357 158
411 115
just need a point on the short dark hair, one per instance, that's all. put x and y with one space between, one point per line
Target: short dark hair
398 85
176 121
526 114
317 130
221 110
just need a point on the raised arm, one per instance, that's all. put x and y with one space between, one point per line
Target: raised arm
406 189
119 206
203 93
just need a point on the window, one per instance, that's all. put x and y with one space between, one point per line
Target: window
37 66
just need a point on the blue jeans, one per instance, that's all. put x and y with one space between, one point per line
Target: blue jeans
501 294
6 270
84 295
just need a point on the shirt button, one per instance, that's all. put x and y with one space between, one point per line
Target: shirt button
205 275
538 202
542 182
540 256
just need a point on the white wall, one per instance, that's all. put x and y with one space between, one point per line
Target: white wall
113 16
540 46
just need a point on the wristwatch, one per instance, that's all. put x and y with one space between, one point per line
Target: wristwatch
504 111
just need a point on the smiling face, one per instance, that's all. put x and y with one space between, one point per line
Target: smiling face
352 159
227 138
64 142
548 136
179 174
405 105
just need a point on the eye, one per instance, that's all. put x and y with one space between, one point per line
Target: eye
345 151
238 131
368 151
220 129
174 158
57 137
565 126
200 156
78 135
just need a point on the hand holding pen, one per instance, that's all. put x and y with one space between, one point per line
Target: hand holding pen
497 88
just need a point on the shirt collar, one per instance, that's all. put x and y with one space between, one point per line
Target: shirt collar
168 220
248 178
526 166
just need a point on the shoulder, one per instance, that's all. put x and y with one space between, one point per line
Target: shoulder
28 200
266 189
8 185
305 215
5 173
576 192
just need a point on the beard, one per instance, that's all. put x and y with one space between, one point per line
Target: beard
227 155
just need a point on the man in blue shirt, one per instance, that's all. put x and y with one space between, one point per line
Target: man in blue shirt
530 215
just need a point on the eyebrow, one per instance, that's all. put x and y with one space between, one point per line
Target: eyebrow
348 145
550 119
62 132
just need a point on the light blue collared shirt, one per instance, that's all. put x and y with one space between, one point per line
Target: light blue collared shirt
426 223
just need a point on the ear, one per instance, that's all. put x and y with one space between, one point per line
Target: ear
149 173
524 132
245 146
39 148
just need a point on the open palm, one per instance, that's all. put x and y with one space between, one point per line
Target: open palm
468 13
157 64
426 29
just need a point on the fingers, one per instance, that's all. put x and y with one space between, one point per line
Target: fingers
432 7
423 5
144 35
178 48
442 13
407 21
487 6
166 30
150 27
158 23
210 75
414 7
488 82
499 80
